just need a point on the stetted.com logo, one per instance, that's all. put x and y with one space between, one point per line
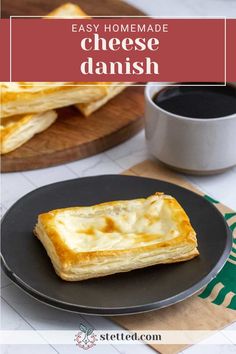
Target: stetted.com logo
85 338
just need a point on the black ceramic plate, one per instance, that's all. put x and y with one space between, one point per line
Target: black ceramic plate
25 261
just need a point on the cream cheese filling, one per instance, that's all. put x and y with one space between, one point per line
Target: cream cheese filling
135 225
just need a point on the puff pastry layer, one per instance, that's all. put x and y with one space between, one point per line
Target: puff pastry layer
67 10
119 236
112 91
17 130
33 97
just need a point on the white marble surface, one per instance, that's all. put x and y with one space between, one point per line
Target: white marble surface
18 310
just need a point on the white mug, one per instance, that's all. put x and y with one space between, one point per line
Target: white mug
192 145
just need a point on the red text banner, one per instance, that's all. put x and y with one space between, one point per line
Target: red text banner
118 49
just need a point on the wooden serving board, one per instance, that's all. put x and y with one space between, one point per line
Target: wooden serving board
73 136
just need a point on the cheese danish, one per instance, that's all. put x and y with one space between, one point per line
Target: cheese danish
117 236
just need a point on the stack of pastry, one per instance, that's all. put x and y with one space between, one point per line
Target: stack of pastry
28 108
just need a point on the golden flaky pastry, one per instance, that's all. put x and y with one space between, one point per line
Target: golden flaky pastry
18 124
118 236
114 88
34 97
67 10
17 130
